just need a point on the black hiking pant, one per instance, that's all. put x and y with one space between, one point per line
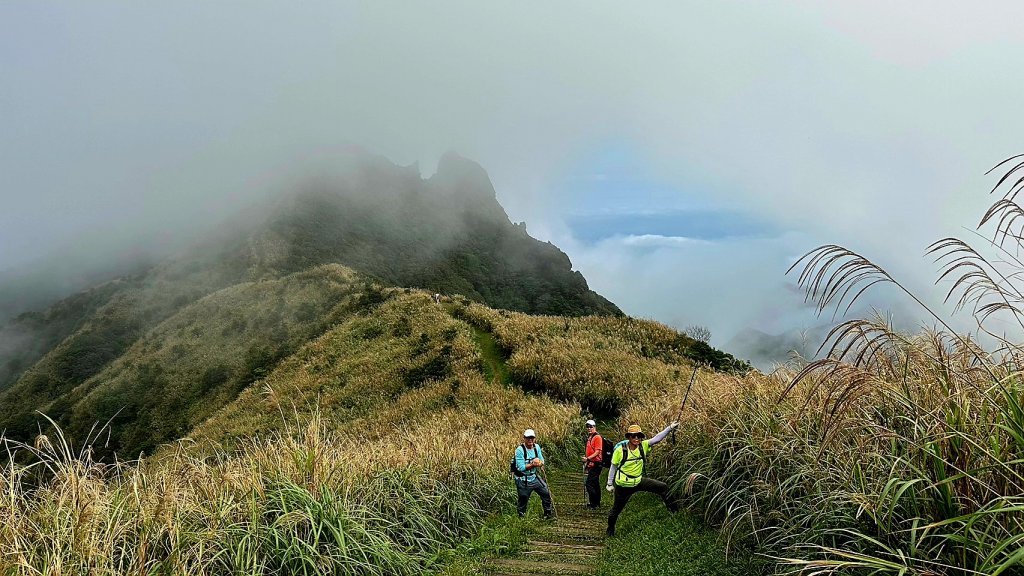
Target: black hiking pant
524 488
593 486
622 496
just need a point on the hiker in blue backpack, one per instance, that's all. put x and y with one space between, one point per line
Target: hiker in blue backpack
626 477
529 459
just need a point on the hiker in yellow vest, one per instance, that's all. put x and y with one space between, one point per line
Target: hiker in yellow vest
626 477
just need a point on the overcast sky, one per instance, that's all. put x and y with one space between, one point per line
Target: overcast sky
682 154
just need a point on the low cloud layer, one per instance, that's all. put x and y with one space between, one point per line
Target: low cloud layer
865 124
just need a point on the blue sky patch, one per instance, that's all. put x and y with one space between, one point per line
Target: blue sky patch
700 224
612 191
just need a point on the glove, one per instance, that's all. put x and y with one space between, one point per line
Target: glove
609 488
674 425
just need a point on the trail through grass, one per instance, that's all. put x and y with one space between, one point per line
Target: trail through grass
494 366
650 541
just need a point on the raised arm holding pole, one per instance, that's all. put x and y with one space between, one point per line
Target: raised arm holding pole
685 397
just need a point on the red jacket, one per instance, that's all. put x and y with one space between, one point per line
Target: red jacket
593 452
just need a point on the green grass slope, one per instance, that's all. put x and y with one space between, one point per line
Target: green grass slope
402 343
78 337
186 367
368 432
371 449
29 336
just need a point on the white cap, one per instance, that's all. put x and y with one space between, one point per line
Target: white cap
529 433
591 423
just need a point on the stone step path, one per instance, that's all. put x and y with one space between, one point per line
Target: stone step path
569 545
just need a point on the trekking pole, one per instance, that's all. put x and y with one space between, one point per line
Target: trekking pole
544 475
685 397
586 495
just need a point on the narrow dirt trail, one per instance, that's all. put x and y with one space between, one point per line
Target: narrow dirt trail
571 544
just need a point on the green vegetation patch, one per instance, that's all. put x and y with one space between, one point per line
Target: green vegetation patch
199 359
650 541
492 357
358 367
502 536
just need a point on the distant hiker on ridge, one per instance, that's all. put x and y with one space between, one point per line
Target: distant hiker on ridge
629 459
437 298
592 459
530 458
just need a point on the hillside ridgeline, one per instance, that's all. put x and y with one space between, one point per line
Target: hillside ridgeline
282 478
446 234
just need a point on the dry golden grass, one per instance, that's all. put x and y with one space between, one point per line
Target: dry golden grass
368 451
909 462
602 362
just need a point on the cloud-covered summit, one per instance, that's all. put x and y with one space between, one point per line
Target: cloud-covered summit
867 124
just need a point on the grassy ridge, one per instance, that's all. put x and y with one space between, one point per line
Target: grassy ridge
907 464
365 464
602 362
88 331
197 360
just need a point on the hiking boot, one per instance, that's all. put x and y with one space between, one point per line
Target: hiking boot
549 516
610 533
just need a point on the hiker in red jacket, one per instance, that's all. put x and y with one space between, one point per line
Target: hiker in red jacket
592 466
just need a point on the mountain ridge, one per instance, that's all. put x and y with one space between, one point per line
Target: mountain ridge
446 233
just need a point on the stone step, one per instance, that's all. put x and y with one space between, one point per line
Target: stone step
572 535
572 504
546 545
563 556
579 523
514 566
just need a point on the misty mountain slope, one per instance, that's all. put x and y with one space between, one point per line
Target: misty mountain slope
27 337
447 234
78 336
197 360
